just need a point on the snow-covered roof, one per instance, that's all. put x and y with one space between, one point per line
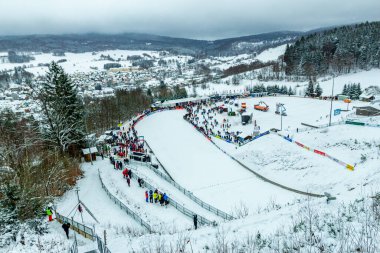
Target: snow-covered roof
104 137
366 95
87 151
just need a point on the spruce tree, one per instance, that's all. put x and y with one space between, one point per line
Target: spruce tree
283 90
62 110
358 90
310 89
351 90
290 91
318 90
345 90
149 93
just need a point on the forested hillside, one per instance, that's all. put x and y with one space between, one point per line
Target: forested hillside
339 50
79 43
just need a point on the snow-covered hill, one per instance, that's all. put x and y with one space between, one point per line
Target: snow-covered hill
271 54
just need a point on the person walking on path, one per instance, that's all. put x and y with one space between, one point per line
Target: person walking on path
130 173
195 219
66 227
146 196
155 196
129 182
140 181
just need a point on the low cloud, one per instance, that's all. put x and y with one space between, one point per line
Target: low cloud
180 18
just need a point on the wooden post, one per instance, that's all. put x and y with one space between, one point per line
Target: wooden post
105 238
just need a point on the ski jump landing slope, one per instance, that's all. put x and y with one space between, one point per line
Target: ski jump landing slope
199 166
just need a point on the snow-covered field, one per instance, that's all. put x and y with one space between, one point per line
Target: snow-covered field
271 54
365 78
76 62
289 164
299 110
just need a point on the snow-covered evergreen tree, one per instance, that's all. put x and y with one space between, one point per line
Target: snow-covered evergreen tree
345 90
358 91
318 90
290 91
62 110
340 50
310 88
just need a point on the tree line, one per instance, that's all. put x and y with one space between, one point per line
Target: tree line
241 68
271 89
352 90
102 114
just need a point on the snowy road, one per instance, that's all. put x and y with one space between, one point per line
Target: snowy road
203 169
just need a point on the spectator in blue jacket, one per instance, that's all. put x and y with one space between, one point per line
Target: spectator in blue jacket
166 199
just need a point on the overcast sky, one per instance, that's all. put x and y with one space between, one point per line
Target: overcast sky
203 19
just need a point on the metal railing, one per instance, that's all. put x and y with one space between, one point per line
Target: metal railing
202 220
102 247
81 229
189 194
74 247
124 207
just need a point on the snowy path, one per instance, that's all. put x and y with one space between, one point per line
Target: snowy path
160 218
202 168
150 177
109 215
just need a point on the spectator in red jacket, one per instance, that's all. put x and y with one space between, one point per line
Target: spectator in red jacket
125 173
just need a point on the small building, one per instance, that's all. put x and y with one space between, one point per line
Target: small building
367 111
90 154
342 97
